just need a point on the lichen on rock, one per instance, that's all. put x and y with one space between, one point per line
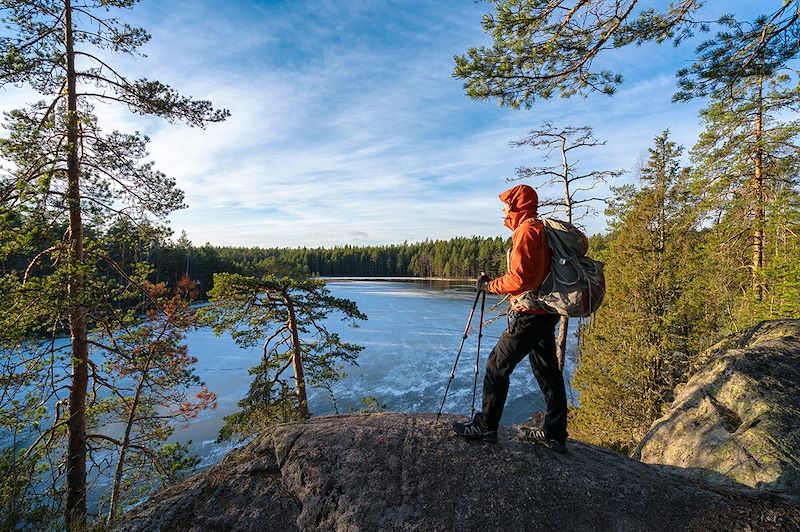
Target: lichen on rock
737 419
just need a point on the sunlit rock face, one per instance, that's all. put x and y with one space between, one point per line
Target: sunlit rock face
738 418
408 472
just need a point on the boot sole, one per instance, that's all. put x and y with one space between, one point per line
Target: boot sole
525 436
476 437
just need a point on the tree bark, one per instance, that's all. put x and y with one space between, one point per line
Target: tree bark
126 440
567 194
561 342
561 339
758 197
661 185
297 358
76 424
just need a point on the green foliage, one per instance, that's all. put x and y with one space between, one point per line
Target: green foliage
142 478
674 286
598 247
126 242
781 275
22 502
746 169
71 195
286 316
149 372
541 48
457 258
741 52
665 302
672 292
371 405
650 326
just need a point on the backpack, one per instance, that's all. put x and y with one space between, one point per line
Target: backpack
575 285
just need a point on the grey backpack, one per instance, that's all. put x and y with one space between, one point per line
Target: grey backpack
575 285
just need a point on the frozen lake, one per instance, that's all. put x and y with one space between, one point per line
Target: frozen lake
410 343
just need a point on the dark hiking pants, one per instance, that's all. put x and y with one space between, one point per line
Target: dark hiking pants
534 334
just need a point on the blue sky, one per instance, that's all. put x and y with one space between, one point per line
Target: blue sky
347 126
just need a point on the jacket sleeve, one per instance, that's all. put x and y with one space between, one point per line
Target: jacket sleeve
525 258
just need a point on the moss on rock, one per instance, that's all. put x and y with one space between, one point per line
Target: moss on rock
738 418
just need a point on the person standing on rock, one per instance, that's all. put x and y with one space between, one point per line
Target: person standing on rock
529 332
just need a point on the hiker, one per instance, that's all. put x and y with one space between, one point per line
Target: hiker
529 332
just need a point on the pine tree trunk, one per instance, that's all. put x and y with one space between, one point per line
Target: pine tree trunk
662 216
126 442
265 376
563 323
655 395
76 424
758 198
565 177
297 359
115 491
561 342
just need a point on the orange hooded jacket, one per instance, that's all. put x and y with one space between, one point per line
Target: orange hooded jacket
529 260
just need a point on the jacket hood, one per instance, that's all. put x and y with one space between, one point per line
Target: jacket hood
523 203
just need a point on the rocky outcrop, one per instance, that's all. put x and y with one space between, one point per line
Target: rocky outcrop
408 472
738 418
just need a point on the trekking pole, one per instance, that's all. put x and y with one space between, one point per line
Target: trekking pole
478 356
463 339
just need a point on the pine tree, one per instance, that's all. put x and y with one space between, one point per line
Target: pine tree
781 279
744 147
545 48
67 173
285 315
644 335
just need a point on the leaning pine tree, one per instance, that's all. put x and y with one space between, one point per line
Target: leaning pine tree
286 316
68 180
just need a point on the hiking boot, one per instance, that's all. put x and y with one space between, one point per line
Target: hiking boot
538 436
536 421
476 429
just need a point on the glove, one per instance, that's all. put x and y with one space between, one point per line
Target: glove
482 281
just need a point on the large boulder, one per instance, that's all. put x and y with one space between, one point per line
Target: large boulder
409 472
738 418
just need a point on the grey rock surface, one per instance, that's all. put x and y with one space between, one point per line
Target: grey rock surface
407 472
738 418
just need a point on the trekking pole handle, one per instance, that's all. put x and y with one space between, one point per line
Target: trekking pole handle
482 280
